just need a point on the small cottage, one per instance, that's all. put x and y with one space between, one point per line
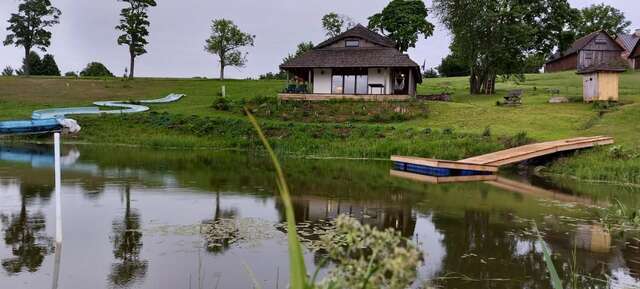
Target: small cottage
357 64
594 49
634 56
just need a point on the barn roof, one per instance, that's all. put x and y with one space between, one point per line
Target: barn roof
579 45
617 65
635 52
628 41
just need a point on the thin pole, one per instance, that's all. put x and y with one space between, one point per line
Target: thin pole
58 184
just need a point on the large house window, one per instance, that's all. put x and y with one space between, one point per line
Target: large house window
350 81
352 43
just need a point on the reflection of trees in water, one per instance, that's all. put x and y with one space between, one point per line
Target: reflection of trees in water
25 232
482 251
93 188
220 231
127 245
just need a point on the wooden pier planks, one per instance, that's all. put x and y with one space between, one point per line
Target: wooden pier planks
491 162
518 154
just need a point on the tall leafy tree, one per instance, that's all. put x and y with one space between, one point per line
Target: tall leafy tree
28 27
225 41
601 17
49 66
334 23
403 21
302 48
134 23
499 37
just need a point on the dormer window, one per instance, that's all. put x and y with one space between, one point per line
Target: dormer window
352 43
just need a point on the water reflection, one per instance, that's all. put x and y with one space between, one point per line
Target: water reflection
25 233
127 246
473 234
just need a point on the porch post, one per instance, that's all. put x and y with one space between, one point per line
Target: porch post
309 82
412 84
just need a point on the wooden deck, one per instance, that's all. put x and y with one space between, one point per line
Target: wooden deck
325 97
489 163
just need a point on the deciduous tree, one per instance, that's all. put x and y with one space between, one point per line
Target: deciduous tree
403 21
334 23
28 27
497 37
601 17
134 23
225 41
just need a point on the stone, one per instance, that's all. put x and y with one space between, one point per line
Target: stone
559 99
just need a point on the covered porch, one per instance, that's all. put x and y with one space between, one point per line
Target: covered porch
353 83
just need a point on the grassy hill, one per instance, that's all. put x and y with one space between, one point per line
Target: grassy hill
468 125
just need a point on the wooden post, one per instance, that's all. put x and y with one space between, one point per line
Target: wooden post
224 91
309 83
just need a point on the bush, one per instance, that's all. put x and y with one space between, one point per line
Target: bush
517 140
96 69
8 71
71 74
221 103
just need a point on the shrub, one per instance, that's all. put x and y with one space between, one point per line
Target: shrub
8 71
221 103
517 140
486 132
96 69
71 74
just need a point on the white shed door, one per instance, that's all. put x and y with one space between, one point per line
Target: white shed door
590 87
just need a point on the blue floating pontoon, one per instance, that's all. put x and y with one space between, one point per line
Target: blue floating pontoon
30 126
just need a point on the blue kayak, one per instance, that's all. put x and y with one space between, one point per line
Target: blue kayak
30 126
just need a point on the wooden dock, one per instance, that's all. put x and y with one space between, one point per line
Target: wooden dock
490 163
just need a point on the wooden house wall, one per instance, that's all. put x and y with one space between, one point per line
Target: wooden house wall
567 63
608 86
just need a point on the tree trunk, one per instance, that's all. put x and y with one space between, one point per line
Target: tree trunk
132 65
222 64
27 65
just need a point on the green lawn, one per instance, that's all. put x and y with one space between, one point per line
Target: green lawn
443 129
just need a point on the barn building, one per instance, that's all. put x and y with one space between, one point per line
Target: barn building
630 44
594 49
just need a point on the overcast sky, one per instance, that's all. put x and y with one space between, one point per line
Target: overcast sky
179 28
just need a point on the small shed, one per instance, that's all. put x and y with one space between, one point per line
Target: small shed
600 82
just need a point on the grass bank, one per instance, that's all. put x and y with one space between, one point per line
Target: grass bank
466 126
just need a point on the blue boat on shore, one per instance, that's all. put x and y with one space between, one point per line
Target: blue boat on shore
30 126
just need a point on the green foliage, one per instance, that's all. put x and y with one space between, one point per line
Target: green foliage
517 140
225 41
273 76
134 23
368 258
601 17
556 282
96 69
48 66
452 66
302 48
334 23
71 74
619 217
221 103
495 37
403 21
430 73
28 27
7 71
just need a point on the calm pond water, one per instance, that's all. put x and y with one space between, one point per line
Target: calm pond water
134 219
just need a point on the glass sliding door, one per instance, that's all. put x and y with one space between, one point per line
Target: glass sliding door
337 84
350 81
349 84
362 84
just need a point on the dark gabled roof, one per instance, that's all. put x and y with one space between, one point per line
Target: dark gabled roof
579 45
351 57
614 65
362 32
628 41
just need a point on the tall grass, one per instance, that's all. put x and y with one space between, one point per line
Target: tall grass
297 268
556 282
